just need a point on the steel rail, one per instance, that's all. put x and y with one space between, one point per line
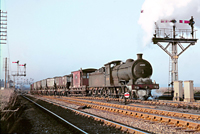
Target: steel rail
160 102
123 127
168 120
146 110
56 115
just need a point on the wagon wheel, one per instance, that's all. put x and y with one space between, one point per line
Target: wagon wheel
121 99
93 93
54 93
61 94
68 93
117 93
65 94
108 93
101 93
133 95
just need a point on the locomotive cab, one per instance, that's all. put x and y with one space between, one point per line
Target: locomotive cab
108 71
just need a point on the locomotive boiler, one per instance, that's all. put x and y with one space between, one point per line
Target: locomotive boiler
131 70
117 77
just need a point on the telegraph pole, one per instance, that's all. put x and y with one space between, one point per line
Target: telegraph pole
5 83
3 35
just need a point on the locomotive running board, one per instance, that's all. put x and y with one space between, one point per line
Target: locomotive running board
145 86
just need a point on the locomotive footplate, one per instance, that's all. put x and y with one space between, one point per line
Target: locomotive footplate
145 86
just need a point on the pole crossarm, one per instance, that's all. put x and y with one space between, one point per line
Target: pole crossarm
165 49
181 46
3 23
180 40
167 46
183 49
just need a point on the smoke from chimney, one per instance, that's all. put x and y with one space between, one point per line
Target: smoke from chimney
157 10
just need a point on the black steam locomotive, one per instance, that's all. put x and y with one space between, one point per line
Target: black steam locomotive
113 80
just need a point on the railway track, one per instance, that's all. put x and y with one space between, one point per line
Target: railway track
191 121
150 109
120 127
190 105
55 115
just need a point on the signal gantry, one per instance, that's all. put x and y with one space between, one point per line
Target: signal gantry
174 37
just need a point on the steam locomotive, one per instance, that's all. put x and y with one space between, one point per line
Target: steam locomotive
114 79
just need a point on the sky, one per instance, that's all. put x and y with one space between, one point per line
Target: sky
55 38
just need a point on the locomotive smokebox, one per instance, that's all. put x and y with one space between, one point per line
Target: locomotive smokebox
132 69
139 56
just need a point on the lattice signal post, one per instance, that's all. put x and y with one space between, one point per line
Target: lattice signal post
19 73
174 37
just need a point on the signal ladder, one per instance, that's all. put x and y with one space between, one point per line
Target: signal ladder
170 79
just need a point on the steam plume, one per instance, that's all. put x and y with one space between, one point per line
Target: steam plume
157 10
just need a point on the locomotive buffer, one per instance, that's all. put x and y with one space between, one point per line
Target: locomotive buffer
170 36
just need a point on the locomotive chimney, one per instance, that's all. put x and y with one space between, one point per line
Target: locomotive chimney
139 56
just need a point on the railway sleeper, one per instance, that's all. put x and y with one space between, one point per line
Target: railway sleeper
128 113
108 123
157 118
160 112
133 114
186 116
153 111
124 129
125 112
171 114
145 116
194 125
166 120
174 122
151 117
118 126
139 115
147 111
178 114
195 117
182 123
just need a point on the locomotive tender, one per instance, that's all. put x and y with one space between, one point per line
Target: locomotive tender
112 80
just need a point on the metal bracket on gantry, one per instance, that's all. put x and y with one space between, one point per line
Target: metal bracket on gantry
174 37
19 73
